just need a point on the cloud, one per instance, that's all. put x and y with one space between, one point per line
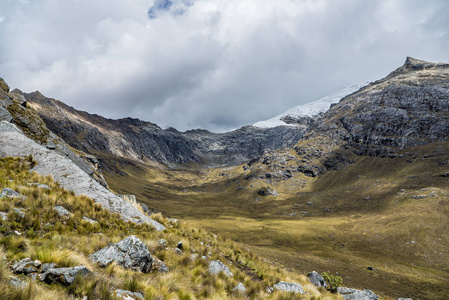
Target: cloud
210 64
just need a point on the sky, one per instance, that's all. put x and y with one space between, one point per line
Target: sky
212 64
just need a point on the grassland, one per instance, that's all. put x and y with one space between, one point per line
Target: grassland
387 213
48 237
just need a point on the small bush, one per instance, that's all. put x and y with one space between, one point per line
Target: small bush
333 281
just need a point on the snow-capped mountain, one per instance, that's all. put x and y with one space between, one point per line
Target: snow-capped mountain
309 109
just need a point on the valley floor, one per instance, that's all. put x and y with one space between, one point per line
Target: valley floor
381 223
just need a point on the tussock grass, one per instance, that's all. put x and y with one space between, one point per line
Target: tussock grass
69 241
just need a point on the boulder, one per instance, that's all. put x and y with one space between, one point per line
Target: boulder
9 193
128 295
179 245
240 288
62 211
216 267
3 216
26 266
130 253
289 287
317 279
353 294
65 276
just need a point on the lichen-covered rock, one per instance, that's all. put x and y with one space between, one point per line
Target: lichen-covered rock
48 266
163 242
353 294
128 295
130 253
62 212
9 193
16 282
317 279
289 287
26 266
65 276
216 267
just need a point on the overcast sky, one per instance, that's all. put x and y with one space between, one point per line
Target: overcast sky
214 64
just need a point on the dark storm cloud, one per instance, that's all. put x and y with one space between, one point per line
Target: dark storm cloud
210 64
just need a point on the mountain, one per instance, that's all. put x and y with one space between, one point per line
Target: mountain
303 114
145 141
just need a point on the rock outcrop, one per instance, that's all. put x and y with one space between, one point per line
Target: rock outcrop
14 143
317 279
130 253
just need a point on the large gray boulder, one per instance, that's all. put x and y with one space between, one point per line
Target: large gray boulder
317 279
216 267
130 253
289 287
26 266
353 294
65 276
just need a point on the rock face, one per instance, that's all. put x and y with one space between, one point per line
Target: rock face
407 108
65 276
216 267
289 287
317 279
14 143
130 253
353 294
139 140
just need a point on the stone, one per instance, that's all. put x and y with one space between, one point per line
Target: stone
353 294
216 267
289 287
5 115
317 279
128 295
19 212
163 242
26 266
159 266
65 276
62 211
48 266
240 288
90 220
16 282
130 253
3 216
404 299
269 289
9 193
179 245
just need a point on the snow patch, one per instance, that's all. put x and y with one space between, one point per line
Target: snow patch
309 109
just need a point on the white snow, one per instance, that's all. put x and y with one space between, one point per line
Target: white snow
310 108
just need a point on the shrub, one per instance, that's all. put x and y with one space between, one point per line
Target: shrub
333 281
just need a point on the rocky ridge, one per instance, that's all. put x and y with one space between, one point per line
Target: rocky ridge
145 141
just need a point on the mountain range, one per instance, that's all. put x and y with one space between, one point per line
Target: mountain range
356 182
